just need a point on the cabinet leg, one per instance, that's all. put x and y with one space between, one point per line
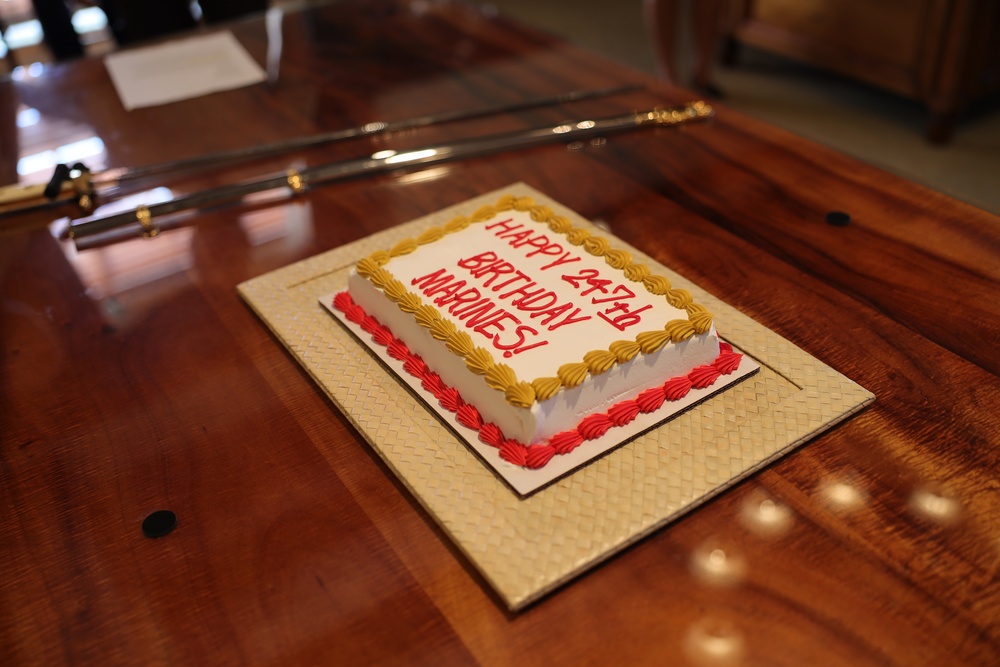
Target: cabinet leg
730 51
940 126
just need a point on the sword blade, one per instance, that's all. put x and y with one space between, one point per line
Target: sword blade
296 182
372 128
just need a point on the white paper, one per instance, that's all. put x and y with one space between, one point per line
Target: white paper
181 69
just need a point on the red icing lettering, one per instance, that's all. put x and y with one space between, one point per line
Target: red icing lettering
620 292
569 319
519 238
519 276
565 259
596 284
626 319
525 348
478 260
497 323
447 290
585 274
536 302
497 268
523 290
460 299
504 225
544 246
432 280
518 346
589 277
460 312
479 313
523 294
552 313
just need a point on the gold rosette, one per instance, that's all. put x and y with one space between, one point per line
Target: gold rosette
430 236
679 298
456 224
596 245
442 329
460 343
500 376
540 213
651 341
679 330
487 212
479 361
657 284
367 266
520 394
404 247
523 203
599 361
426 316
559 224
395 290
637 273
577 236
380 278
410 303
701 319
617 259
505 203
572 374
380 257
624 350
546 388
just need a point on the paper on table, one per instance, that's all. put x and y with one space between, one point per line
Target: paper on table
181 69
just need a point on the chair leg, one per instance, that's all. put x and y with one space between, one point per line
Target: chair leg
661 21
705 15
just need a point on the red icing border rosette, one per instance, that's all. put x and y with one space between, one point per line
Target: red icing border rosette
535 456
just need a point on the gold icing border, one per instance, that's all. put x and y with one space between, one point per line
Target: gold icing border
501 376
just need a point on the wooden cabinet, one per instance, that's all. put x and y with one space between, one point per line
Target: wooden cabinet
943 53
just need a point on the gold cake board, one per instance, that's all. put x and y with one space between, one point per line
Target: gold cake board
527 547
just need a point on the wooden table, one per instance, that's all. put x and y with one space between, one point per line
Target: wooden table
134 379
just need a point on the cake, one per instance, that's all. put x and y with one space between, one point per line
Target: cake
536 333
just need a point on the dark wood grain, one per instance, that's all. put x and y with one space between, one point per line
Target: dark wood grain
132 379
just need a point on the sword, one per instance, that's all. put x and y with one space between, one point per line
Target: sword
77 183
295 182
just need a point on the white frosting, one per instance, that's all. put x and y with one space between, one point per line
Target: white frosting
564 281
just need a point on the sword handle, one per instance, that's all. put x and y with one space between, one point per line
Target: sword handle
14 194
67 184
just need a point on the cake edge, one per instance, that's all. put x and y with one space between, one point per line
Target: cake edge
536 455
498 376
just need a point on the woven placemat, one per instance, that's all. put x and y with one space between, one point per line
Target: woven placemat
527 547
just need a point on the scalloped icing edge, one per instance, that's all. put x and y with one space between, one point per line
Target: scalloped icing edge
525 394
